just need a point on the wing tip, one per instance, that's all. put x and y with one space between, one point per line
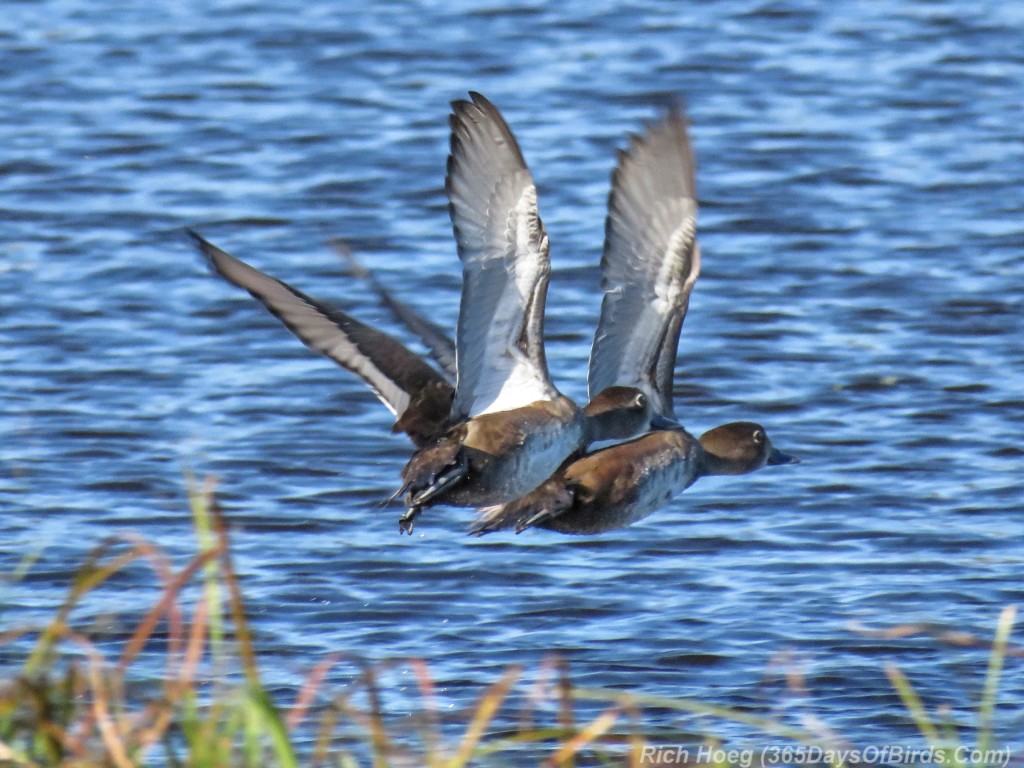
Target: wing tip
473 108
469 116
196 239
482 102
661 150
210 253
671 124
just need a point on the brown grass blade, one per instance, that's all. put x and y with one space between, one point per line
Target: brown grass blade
600 726
484 713
163 606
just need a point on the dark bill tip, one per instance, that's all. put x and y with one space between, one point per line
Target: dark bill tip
663 422
778 457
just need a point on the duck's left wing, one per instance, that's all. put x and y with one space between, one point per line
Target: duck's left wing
650 262
415 393
505 266
441 347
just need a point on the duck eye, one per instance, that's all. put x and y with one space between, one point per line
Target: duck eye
641 402
758 437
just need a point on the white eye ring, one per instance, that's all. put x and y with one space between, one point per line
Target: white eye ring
758 437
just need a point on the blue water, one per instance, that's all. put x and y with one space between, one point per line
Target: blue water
861 176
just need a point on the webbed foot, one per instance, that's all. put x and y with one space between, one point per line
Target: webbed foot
405 522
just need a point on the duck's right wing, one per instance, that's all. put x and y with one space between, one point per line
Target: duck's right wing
505 266
399 377
441 347
651 260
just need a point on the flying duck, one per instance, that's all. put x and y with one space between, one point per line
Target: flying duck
650 264
500 430
512 427
623 483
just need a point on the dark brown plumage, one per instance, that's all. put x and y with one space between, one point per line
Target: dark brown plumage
415 392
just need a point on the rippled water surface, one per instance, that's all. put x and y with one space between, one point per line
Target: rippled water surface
861 175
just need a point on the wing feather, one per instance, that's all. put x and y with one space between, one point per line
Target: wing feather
649 265
505 265
441 347
395 374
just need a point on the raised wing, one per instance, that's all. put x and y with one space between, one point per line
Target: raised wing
441 347
505 266
651 260
397 376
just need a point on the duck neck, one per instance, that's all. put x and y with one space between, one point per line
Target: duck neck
594 429
712 464
611 425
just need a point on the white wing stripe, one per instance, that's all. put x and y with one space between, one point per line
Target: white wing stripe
504 252
649 263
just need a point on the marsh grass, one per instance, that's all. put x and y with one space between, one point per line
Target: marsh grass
76 702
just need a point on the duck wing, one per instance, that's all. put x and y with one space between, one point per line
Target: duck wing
399 377
650 262
434 338
505 265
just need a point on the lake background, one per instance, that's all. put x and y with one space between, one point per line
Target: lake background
861 179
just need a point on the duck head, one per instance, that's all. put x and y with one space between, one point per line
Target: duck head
740 447
619 412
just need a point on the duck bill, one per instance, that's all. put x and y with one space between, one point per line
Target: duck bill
778 457
663 422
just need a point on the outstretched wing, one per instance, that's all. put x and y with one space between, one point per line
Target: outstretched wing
441 347
505 266
395 374
651 260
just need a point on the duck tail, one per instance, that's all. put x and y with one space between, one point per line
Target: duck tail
546 502
497 517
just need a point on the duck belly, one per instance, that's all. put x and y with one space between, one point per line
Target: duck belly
655 491
542 453
521 467
641 489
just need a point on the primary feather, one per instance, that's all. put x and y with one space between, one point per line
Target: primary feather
649 265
